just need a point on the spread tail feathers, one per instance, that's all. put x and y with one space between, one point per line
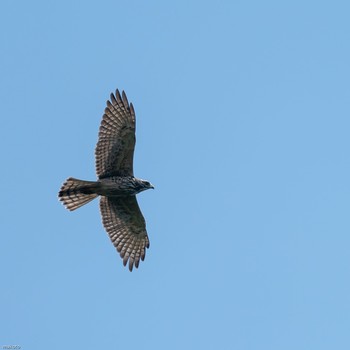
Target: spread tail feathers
74 193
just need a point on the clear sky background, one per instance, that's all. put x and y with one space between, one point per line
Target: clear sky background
243 120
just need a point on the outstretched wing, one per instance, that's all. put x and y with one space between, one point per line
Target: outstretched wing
116 139
126 227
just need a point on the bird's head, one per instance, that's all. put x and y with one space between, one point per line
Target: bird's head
144 185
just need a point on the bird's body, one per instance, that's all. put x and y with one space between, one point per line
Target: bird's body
116 184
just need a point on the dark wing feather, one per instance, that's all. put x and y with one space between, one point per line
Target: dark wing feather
116 139
126 227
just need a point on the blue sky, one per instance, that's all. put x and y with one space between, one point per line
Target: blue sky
243 120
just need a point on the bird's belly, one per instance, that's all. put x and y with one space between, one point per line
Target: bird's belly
112 188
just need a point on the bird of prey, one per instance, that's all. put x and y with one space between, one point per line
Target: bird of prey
116 184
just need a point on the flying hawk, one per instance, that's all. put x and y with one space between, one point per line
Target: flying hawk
116 184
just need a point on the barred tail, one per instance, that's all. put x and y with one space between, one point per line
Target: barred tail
74 193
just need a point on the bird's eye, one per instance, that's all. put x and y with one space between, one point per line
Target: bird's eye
147 183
